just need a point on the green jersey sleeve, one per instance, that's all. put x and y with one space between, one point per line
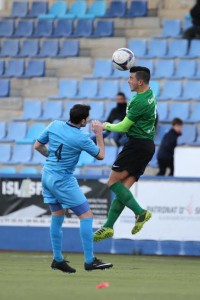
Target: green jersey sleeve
122 126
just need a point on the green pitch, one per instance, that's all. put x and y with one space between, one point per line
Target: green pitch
27 276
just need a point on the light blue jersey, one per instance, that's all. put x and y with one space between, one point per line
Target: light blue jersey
65 145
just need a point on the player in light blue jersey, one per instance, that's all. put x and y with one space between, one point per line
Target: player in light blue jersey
60 188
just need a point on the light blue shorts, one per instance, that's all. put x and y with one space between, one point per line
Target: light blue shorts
61 188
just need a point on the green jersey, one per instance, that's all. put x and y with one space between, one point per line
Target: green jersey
141 109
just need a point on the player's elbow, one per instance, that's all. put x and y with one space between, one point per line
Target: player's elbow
37 145
100 156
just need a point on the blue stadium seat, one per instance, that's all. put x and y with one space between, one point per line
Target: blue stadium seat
154 163
162 129
179 110
77 9
2 130
186 68
165 68
102 68
37 159
44 28
125 88
4 88
15 68
10 48
189 135
171 90
108 89
148 63
52 110
57 10
2 67
32 134
110 155
177 48
155 86
64 28
5 153
19 9
157 48
38 8
16 131
119 74
108 107
67 89
21 154
194 49
162 111
35 68
197 73
96 10
138 9
84 28
85 159
139 47
195 113
187 22
28 171
32 110
97 110
6 28
24 28
117 9
93 172
49 48
29 48
104 29
8 170
87 89
191 91
171 28
69 48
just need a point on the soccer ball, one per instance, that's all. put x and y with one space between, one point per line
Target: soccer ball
123 59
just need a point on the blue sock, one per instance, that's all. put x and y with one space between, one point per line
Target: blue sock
87 239
56 236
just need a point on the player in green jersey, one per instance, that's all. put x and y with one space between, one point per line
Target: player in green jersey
139 124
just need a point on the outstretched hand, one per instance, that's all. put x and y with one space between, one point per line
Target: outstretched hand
97 126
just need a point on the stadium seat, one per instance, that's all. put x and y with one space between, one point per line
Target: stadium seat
77 10
108 107
15 68
171 28
49 48
194 49
15 131
35 68
162 129
5 153
2 67
92 172
32 134
179 110
108 89
84 28
58 10
38 8
64 28
187 22
157 48
2 130
117 9
102 68
138 9
9 48
32 110
162 111
125 88
4 88
87 89
19 9
164 69
154 163
37 159
186 69
24 28
67 89
188 136
52 110
28 171
96 10
85 159
139 47
21 154
29 48
6 28
191 91
69 48
195 113
155 86
197 72
148 63
97 110
177 48
44 28
8 170
110 155
171 90
104 29
119 74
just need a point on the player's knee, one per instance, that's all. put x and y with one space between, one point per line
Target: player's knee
56 209
87 214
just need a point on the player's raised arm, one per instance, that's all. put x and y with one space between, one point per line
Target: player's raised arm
122 126
97 128
41 148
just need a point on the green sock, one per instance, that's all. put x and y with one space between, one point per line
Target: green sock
126 197
115 210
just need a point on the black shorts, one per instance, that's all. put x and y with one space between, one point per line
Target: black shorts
134 157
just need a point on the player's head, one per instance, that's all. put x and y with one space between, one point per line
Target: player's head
139 78
120 98
79 114
177 125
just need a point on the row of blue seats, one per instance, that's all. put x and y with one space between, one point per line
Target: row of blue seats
60 28
79 9
12 170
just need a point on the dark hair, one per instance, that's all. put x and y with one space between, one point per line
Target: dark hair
79 112
177 121
142 73
121 94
